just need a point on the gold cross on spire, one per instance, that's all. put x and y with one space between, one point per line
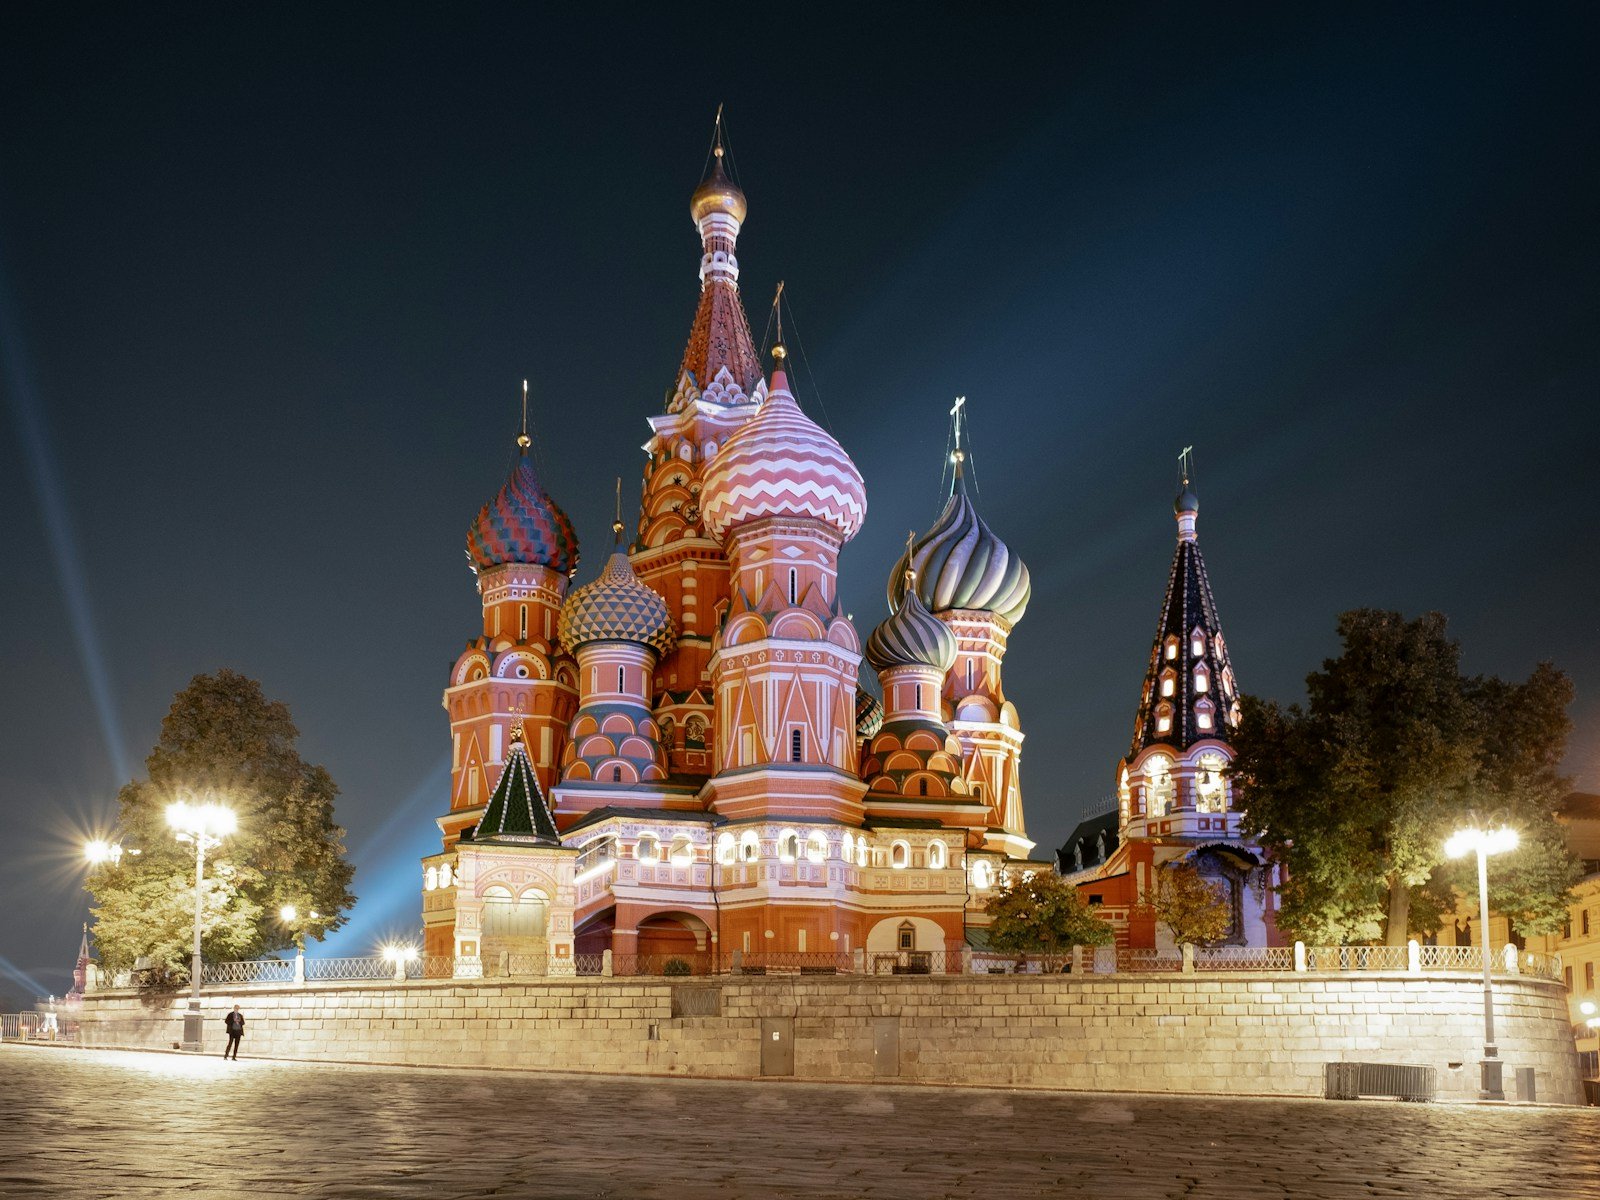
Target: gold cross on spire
1186 464
523 439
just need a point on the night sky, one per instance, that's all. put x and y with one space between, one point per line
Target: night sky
270 282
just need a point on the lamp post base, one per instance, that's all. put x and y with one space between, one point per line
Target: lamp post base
1492 1086
193 1026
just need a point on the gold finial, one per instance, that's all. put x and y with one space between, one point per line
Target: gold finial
717 149
911 561
516 734
523 439
616 525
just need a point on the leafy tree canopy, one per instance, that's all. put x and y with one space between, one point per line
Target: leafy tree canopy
1193 909
1041 913
223 741
1394 750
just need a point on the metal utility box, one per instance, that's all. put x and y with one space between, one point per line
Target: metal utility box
777 1045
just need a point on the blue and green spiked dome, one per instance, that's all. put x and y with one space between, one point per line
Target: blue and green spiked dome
522 524
911 636
961 564
616 607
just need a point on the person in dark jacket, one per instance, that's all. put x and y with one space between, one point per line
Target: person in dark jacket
234 1023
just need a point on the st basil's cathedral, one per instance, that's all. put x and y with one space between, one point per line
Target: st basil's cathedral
676 760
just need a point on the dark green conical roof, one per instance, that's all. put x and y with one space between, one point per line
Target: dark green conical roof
517 811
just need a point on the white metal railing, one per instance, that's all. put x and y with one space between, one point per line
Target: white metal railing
260 970
1357 958
1244 958
345 969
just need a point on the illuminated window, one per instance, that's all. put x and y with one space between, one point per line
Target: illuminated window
1172 648
682 853
431 878
847 847
725 849
861 852
1202 714
816 847
983 874
1160 789
937 856
1197 642
788 846
1169 683
1210 790
900 855
649 848
1202 679
1163 718
749 846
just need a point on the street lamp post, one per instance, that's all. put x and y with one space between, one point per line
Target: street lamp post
205 825
1485 842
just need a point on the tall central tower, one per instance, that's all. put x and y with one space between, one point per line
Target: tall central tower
719 387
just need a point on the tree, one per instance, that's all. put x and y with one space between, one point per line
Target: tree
1041 913
223 739
1356 792
1192 909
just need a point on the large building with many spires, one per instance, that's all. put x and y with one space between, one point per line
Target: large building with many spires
676 758
1174 798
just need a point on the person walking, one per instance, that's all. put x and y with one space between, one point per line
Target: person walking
234 1023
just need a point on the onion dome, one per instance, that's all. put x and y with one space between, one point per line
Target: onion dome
781 463
1187 501
616 607
522 524
869 713
717 193
960 563
912 637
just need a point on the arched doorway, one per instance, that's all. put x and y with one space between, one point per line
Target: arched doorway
666 939
515 925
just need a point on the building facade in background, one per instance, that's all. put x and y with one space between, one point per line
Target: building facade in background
1174 799
676 759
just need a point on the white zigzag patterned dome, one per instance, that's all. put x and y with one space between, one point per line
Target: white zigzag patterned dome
782 464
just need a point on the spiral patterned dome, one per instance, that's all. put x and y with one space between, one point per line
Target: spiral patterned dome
869 713
960 563
912 636
616 607
522 524
781 464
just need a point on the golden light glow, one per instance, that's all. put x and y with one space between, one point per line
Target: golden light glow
211 820
1489 841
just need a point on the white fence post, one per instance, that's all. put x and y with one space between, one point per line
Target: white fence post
399 969
1511 959
1300 956
1077 960
605 963
1188 958
966 960
1414 957
299 968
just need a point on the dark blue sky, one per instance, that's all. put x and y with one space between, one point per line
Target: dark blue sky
269 284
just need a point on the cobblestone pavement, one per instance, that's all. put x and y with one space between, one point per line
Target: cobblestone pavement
102 1123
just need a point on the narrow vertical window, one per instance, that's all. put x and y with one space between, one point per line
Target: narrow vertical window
616 774
794 745
622 680
969 674
919 695
522 622
793 585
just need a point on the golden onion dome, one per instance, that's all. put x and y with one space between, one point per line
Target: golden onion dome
716 194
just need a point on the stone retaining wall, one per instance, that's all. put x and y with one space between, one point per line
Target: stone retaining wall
1260 1034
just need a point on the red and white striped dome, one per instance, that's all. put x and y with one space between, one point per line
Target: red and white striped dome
782 464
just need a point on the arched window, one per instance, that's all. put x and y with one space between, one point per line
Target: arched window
1163 718
1172 648
725 849
846 847
616 774
749 846
937 855
1203 715
1202 678
1210 789
682 853
900 855
1197 641
1160 789
796 745
983 874
816 847
788 846
1169 683
862 853
431 878
648 848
